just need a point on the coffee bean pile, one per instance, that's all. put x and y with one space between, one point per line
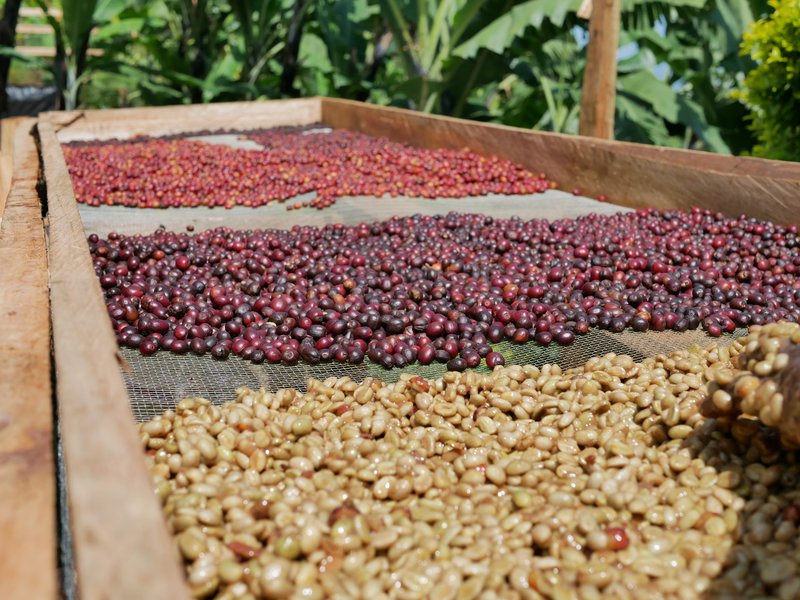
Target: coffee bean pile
176 172
444 288
604 481
764 382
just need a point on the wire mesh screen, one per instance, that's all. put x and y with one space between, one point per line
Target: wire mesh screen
156 383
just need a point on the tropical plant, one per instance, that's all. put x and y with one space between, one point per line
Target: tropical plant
448 49
541 84
704 74
180 54
8 29
212 50
343 49
771 89
259 41
519 62
72 37
670 90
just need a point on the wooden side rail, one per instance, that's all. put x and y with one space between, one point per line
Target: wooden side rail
27 468
121 545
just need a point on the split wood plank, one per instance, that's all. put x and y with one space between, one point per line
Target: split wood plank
7 130
633 175
34 29
120 541
169 120
27 469
50 51
36 12
599 93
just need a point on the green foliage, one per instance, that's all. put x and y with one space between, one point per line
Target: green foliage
708 72
427 37
181 53
259 42
342 50
176 51
772 88
78 20
519 62
503 31
671 91
72 39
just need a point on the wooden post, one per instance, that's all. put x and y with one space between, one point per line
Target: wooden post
600 76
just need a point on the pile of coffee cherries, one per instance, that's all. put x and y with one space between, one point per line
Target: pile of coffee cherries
177 172
443 288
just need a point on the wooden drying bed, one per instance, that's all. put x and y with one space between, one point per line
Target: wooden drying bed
121 546
632 175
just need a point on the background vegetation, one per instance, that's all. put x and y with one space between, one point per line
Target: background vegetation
518 62
772 89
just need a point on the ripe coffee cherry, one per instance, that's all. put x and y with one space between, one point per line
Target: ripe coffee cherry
437 289
617 538
495 359
173 172
220 351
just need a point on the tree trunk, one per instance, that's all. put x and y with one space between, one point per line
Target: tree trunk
293 37
8 34
199 34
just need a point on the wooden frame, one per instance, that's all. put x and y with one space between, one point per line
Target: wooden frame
167 120
120 542
121 545
8 128
27 470
633 175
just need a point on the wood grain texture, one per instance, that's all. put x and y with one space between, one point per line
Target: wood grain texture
598 96
27 471
121 546
167 120
7 129
633 175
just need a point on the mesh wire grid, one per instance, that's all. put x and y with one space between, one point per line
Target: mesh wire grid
156 383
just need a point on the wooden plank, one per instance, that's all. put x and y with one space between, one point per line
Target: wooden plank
50 51
35 12
167 120
600 76
121 545
27 472
7 129
34 28
633 175
37 51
